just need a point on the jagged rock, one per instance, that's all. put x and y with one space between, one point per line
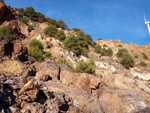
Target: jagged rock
82 80
48 70
30 89
14 49
33 108
28 70
9 13
124 101
6 96
2 9
19 51
82 100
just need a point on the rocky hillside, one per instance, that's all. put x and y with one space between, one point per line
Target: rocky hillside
28 86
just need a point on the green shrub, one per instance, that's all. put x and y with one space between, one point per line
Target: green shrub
7 33
98 48
68 29
93 44
125 59
76 29
121 52
36 43
85 67
51 21
47 54
61 24
30 12
105 45
50 31
99 39
70 43
76 44
136 56
84 51
25 20
145 56
119 45
21 10
63 61
80 34
40 17
88 39
60 35
107 52
143 64
30 28
36 53
36 50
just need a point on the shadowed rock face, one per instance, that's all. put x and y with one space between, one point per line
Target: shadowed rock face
14 49
2 9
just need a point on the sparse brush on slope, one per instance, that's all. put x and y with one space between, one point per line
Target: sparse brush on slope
85 67
7 33
125 58
36 50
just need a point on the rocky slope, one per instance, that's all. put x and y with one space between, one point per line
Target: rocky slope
27 86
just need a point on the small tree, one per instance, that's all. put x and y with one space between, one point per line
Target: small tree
85 67
60 35
41 17
51 21
50 31
7 33
61 24
30 12
76 29
21 10
88 39
25 20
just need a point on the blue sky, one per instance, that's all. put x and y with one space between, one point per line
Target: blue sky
108 19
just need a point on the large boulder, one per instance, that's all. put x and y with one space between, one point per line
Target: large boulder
48 70
2 9
113 100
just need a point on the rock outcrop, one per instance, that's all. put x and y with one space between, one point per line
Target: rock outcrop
2 9
14 49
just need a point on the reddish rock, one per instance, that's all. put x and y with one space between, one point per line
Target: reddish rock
30 89
2 48
113 100
19 51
